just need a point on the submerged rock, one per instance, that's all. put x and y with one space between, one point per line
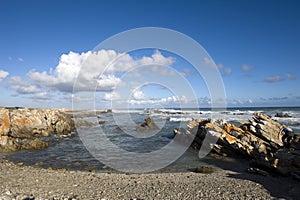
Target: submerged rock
205 170
282 115
257 171
84 123
35 144
101 122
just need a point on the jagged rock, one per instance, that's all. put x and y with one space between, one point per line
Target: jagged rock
267 128
148 125
26 123
257 139
17 126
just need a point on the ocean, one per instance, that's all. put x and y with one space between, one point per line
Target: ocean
70 152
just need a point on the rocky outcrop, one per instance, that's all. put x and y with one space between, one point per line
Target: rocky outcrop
21 128
257 139
148 125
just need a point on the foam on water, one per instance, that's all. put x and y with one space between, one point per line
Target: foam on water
180 119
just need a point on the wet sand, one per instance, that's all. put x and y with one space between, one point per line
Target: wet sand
25 182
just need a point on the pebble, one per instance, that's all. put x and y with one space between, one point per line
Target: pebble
20 163
60 184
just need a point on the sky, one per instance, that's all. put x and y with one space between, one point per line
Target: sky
253 44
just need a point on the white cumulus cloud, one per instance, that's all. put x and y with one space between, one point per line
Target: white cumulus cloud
108 82
93 70
111 96
23 87
138 94
3 74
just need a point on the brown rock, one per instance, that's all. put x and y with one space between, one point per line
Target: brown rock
4 122
19 127
9 144
266 128
257 139
35 144
148 125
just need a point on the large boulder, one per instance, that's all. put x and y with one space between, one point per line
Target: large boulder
39 122
19 127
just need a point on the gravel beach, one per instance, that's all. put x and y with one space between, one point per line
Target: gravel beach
25 182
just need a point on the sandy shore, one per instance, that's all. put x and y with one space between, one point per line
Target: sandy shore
23 182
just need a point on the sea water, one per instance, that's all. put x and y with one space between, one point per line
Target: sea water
70 153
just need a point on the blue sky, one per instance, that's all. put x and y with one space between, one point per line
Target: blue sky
255 44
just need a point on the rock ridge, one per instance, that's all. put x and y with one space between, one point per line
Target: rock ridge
257 139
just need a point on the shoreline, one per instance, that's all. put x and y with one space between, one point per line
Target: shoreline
232 177
227 182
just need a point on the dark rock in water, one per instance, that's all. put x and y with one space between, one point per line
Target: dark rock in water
84 123
205 170
169 135
225 112
238 113
101 122
282 115
103 111
148 125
